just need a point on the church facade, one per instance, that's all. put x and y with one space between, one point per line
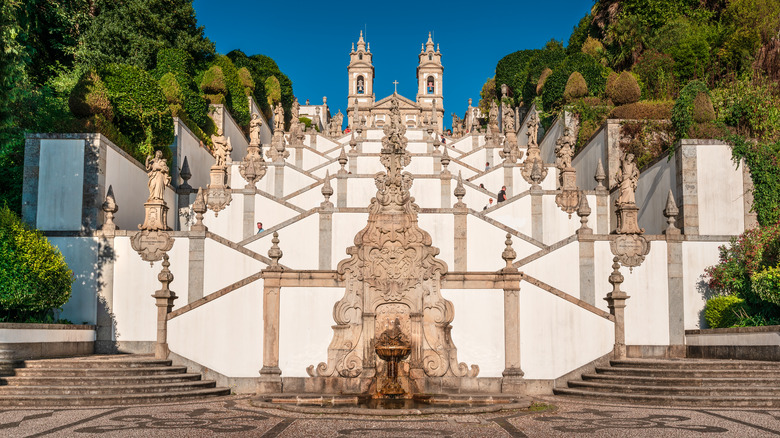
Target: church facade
428 106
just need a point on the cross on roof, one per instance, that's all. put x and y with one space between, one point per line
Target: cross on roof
396 87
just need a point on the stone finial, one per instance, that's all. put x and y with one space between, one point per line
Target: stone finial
110 208
670 212
583 211
460 192
352 143
185 175
327 190
275 253
199 207
166 278
600 176
343 159
436 144
509 254
445 160
616 278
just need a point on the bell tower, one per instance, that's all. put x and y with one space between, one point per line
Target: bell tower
430 72
361 79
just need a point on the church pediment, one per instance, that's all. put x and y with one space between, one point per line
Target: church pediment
403 103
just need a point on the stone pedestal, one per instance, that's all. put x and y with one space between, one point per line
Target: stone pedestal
628 219
156 215
568 198
219 195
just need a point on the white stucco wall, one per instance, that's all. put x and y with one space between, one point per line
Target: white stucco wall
198 158
697 256
478 328
587 160
60 185
720 191
82 256
652 192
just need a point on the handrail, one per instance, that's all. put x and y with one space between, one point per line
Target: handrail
561 294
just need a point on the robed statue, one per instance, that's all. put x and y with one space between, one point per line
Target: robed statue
159 176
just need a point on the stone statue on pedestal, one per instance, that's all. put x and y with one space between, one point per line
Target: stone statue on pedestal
254 129
159 176
222 148
278 117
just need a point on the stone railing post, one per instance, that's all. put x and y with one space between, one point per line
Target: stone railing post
164 298
674 256
197 250
616 301
279 177
537 208
509 168
270 381
512 381
602 201
326 225
587 253
461 231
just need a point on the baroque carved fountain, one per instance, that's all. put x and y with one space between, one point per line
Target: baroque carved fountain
392 306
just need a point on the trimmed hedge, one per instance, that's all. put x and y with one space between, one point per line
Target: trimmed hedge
34 279
262 67
273 91
682 113
643 110
90 97
723 312
213 85
593 72
511 70
550 57
180 64
542 78
142 112
246 80
172 91
575 87
623 89
703 111
235 99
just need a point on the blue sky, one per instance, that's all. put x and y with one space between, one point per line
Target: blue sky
311 40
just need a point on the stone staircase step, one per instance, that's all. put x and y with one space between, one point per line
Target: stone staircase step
87 363
112 389
97 380
681 381
90 372
721 391
696 364
671 400
686 373
109 399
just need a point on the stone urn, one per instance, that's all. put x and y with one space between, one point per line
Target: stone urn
392 346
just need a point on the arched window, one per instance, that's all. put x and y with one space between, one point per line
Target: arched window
361 88
429 87
430 57
360 56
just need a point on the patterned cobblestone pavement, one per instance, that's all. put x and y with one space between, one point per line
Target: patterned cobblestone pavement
235 416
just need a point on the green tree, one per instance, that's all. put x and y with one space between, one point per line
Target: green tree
133 31
487 96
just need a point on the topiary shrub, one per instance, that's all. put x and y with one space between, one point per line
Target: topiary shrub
703 111
246 80
542 78
512 70
593 47
623 89
682 113
724 311
643 111
575 87
235 99
273 91
213 85
549 57
34 279
180 64
142 112
172 91
591 70
90 97
766 284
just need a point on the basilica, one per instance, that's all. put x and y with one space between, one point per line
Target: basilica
426 109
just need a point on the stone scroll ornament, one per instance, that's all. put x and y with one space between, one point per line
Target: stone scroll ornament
392 273
630 246
153 240
533 154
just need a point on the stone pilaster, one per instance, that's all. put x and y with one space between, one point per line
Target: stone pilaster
446 189
353 154
509 169
270 381
196 266
512 381
537 214
299 156
279 178
676 295
326 225
687 186
474 140
616 301
341 188
249 213
587 269
461 229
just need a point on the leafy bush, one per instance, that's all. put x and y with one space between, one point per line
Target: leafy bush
751 105
656 70
580 35
723 311
762 160
262 67
34 279
90 97
273 91
246 80
646 139
593 47
549 57
213 85
173 94
592 113
592 71
542 78
661 110
511 70
682 112
306 122
142 112
180 64
766 284
575 87
688 43
623 89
